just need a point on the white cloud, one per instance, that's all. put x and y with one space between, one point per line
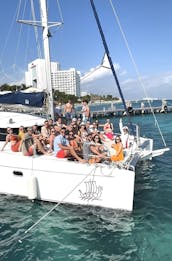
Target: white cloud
128 81
123 73
102 82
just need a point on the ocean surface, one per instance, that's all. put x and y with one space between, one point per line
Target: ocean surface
134 104
78 233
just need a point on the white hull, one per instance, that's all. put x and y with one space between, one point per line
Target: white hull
59 180
16 119
51 179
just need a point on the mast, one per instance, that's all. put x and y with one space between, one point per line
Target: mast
45 25
109 59
45 35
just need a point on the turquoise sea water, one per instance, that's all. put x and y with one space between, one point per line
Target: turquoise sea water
84 233
119 105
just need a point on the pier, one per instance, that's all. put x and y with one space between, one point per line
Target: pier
111 112
131 111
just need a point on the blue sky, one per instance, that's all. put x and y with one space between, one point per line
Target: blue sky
147 26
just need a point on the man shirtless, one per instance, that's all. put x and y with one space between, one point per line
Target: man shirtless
68 111
85 111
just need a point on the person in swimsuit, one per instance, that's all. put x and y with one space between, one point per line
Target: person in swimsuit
13 139
68 112
85 111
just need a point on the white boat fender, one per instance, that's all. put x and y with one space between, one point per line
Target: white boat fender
32 187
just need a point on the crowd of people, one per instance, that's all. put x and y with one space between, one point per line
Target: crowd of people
75 138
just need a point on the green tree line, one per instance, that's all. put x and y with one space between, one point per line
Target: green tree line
62 97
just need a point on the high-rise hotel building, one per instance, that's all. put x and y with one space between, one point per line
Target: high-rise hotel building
64 81
67 81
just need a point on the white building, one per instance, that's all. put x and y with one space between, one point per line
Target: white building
67 81
36 74
63 81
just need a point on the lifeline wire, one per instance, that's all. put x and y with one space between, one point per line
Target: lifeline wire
136 68
48 213
53 208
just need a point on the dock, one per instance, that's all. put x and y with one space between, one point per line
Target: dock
131 111
111 112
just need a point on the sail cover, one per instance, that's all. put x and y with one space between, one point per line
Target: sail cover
35 99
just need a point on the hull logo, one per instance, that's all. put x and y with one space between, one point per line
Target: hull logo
92 191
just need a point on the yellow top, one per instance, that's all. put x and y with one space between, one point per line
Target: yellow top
119 155
21 135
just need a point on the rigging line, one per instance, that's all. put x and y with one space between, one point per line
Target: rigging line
102 65
18 43
27 36
136 68
61 201
19 38
36 30
19 7
110 61
26 56
61 17
60 11
93 71
7 38
14 65
89 73
6 76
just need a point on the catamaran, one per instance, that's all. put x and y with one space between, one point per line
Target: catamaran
47 178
